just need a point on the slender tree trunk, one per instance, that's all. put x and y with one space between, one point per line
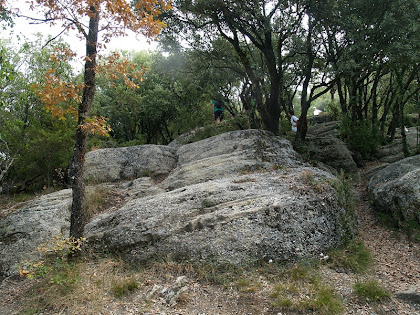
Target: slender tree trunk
394 122
375 108
406 149
343 102
302 126
78 216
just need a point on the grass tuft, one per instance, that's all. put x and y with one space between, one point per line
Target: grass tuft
95 199
124 287
371 291
355 257
301 290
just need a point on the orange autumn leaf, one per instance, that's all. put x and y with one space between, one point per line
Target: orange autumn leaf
116 68
114 17
96 125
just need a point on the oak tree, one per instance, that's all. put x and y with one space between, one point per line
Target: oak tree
96 22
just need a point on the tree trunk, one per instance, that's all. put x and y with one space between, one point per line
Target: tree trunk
302 126
406 149
394 122
343 102
78 216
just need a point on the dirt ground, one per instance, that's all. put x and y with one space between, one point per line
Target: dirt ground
396 267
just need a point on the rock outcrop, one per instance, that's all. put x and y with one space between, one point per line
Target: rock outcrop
279 215
393 152
395 189
115 164
238 197
31 226
230 153
323 145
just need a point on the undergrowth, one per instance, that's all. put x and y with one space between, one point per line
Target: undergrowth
354 257
89 287
410 228
301 289
371 291
95 200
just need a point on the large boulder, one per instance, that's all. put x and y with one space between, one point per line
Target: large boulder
395 189
237 197
324 145
31 226
280 215
393 151
332 152
230 153
114 164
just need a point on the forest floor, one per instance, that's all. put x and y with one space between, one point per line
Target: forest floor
108 286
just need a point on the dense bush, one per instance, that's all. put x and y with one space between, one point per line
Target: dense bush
360 136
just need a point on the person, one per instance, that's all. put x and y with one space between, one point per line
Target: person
293 120
217 110
317 111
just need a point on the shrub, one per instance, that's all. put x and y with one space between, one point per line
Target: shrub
360 136
346 199
371 291
124 287
344 189
55 265
333 109
355 257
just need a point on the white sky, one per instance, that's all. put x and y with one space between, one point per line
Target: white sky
132 42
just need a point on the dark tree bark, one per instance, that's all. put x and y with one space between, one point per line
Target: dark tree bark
78 216
302 126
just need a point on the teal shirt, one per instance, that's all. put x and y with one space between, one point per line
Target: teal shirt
217 105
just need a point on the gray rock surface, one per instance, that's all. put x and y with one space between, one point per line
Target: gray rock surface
395 189
324 146
31 226
393 152
411 295
237 197
279 215
326 129
114 164
230 153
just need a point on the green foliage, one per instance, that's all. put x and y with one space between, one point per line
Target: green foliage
327 302
124 287
410 228
355 257
95 199
38 143
168 102
301 290
346 199
55 265
371 291
360 136
333 109
344 187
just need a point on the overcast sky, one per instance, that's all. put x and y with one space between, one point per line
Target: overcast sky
23 27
